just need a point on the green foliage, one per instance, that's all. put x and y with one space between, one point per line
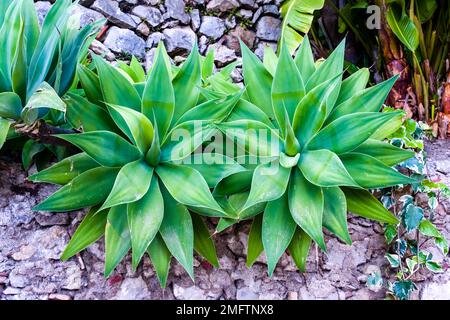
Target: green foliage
38 65
326 158
131 171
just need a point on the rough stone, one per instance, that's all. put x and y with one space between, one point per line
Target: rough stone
189 293
222 5
195 19
212 27
125 41
179 39
133 289
42 8
176 9
268 28
110 9
150 15
99 48
86 15
437 291
223 55
233 37
154 39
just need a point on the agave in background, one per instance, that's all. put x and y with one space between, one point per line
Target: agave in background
37 65
330 134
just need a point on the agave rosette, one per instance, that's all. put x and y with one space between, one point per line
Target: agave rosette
37 65
133 172
331 151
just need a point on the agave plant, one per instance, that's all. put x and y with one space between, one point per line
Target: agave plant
329 151
131 172
37 65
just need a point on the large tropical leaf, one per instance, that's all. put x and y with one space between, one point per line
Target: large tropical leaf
403 27
297 16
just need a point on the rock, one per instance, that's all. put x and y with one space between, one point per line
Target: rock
133 289
154 39
73 280
437 291
292 295
179 39
260 49
42 8
152 2
248 3
176 9
268 28
195 19
271 9
149 58
246 294
59 296
125 41
150 15
11 291
223 55
25 253
87 15
143 29
51 219
233 37
212 27
110 9
246 14
190 293
99 48
222 5
257 14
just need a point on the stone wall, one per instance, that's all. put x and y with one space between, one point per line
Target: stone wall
136 26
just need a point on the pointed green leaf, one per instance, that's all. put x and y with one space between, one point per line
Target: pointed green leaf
186 84
159 99
82 114
10 105
132 183
371 173
144 219
117 238
257 79
404 28
254 244
304 60
324 168
4 129
188 187
353 85
30 149
335 213
270 59
88 189
177 232
368 100
90 230
278 228
116 89
66 170
299 248
269 183
364 204
203 243
349 132
107 148
160 257
330 68
384 152
306 206
287 89
138 125
312 111
91 85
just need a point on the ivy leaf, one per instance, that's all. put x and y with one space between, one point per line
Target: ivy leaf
412 217
393 259
402 289
433 266
390 232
